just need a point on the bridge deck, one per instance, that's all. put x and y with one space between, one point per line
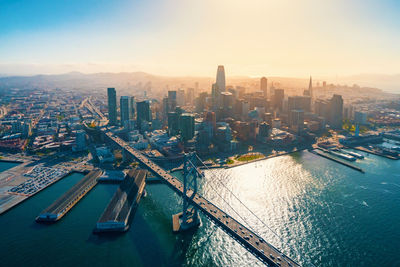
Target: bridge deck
250 240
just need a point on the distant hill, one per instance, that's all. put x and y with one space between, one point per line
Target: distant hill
389 83
141 81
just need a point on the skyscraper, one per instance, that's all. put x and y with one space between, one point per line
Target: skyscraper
180 97
172 100
299 102
310 89
221 78
186 126
296 121
215 95
126 109
263 86
112 106
279 95
173 123
336 112
132 111
143 112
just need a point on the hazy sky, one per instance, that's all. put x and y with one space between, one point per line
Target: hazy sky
192 37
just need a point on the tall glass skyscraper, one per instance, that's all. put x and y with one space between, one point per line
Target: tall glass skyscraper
221 78
143 112
112 106
126 109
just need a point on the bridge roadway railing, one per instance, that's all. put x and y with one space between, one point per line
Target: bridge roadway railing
250 240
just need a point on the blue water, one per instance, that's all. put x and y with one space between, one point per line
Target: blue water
323 212
7 165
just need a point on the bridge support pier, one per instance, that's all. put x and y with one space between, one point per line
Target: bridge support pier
189 217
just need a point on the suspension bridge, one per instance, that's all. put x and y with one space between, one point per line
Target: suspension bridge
193 202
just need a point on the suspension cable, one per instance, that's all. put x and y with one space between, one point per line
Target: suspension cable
258 218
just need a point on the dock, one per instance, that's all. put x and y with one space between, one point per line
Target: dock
63 204
123 204
375 152
327 156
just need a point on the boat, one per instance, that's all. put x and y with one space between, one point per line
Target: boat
354 154
343 156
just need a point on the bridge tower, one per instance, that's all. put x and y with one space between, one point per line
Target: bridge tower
189 217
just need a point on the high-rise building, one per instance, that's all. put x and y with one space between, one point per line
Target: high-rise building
310 89
173 123
180 97
186 126
336 112
322 108
221 78
296 122
126 109
189 96
132 110
215 94
245 108
264 131
112 106
143 112
277 101
200 102
172 101
263 86
299 102
210 118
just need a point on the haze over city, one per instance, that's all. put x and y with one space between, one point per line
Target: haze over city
199 133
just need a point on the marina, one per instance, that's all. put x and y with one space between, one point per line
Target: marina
376 152
323 154
63 204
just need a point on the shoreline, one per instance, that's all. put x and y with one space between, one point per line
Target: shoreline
229 166
11 160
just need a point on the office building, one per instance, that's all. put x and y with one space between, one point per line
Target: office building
189 96
180 97
172 101
173 123
221 78
112 106
299 102
263 86
132 110
277 101
186 126
322 108
296 122
201 102
126 110
143 112
336 112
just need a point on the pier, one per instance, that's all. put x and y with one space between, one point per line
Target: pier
123 204
62 205
327 156
375 152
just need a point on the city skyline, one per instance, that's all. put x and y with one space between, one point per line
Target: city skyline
267 37
199 133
